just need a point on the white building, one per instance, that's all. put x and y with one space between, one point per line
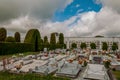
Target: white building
97 40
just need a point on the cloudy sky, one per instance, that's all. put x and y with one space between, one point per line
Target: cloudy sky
74 18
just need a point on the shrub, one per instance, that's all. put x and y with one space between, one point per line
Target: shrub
93 46
83 45
10 39
107 64
74 45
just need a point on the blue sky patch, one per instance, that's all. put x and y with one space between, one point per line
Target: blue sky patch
75 8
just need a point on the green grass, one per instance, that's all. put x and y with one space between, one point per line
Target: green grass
25 54
117 74
9 76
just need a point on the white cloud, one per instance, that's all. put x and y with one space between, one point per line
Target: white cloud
106 22
43 9
114 4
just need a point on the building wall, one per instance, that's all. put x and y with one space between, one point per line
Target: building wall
97 40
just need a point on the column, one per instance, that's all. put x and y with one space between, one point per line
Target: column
119 45
68 45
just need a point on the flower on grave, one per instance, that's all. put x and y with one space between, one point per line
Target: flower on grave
70 60
18 66
80 62
46 55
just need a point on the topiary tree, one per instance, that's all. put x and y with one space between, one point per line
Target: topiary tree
46 43
10 39
93 46
65 46
33 36
83 45
53 41
45 39
17 36
3 34
104 46
61 38
114 46
53 38
74 45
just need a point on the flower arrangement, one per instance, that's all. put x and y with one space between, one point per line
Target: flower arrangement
70 60
46 55
18 66
80 62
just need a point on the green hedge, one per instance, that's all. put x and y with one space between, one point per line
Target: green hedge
11 48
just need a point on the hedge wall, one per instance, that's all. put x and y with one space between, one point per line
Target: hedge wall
11 48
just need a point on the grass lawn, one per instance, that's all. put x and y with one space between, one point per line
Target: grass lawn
117 74
9 76
26 53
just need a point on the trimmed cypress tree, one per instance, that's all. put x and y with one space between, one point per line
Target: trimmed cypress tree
53 38
33 36
46 43
3 34
61 41
61 38
45 39
17 36
53 41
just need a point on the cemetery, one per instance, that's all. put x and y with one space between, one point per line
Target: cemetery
53 60
71 65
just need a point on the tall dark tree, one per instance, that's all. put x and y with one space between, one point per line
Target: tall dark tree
114 46
61 38
52 41
74 45
17 36
46 43
104 46
93 46
45 39
53 38
3 34
60 43
83 45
